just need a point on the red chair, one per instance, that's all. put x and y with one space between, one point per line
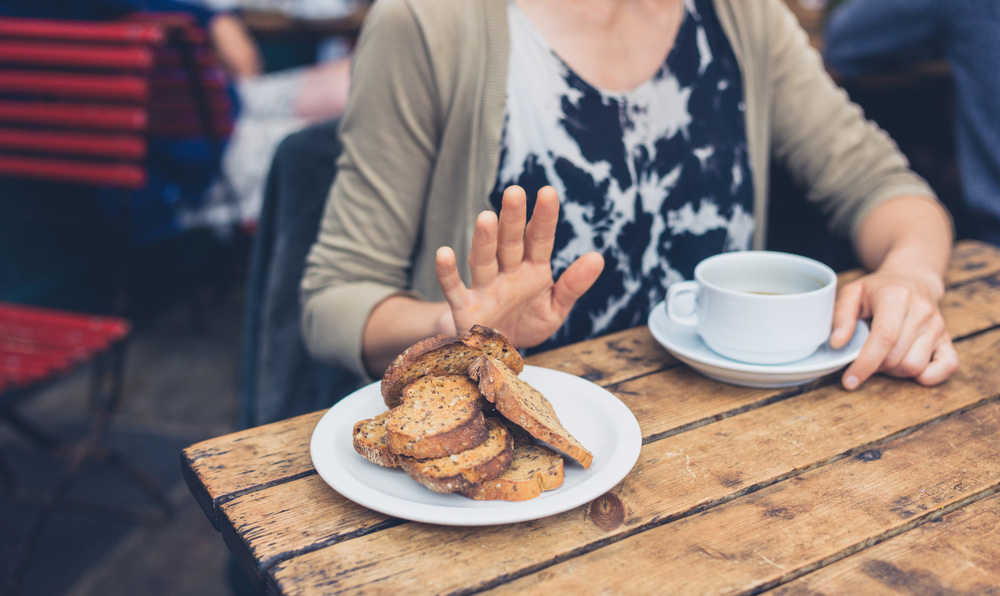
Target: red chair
39 347
79 101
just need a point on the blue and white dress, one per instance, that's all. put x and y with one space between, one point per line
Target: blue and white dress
656 178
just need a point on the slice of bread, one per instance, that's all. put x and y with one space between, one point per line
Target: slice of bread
445 355
526 407
461 471
439 415
534 469
371 442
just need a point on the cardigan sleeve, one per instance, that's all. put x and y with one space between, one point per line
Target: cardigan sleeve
848 163
371 221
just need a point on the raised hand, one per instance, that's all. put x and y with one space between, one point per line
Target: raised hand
511 287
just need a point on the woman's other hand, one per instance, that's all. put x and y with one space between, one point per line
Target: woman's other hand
511 287
908 335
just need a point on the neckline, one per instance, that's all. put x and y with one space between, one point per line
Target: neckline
536 34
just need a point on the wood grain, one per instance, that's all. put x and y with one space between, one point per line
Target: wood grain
675 476
970 260
609 359
958 554
784 530
218 468
972 306
302 513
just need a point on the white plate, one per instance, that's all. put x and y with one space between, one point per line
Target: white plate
685 344
595 417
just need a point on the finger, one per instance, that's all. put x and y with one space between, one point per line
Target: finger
845 314
917 323
577 279
917 357
483 254
447 274
512 216
943 364
888 310
540 234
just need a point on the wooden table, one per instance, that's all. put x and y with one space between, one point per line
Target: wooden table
804 491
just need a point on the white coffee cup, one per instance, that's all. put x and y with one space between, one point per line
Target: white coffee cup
759 307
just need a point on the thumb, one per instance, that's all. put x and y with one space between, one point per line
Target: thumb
575 281
845 314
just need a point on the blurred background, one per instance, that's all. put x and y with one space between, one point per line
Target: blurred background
137 224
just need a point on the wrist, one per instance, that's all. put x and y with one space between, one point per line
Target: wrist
927 278
445 322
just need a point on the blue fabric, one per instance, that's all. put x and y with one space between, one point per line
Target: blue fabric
656 178
868 36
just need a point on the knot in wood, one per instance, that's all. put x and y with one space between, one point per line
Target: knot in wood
607 512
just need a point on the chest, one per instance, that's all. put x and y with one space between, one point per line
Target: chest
612 47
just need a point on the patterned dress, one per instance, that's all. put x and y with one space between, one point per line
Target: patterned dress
655 178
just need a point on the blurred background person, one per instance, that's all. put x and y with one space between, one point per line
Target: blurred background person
864 37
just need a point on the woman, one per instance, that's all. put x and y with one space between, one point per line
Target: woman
655 119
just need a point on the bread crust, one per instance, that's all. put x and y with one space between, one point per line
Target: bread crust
526 407
534 469
443 354
449 474
369 438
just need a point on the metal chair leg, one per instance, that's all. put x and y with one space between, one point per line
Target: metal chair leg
112 372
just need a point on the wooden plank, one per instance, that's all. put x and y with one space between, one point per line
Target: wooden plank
218 468
972 306
265 526
609 359
793 527
972 259
959 554
674 476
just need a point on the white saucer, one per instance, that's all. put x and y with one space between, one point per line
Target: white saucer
685 344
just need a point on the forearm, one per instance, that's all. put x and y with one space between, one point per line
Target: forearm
236 49
908 235
396 323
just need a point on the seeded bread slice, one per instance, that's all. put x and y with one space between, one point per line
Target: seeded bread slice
461 471
533 470
445 355
526 407
370 441
439 415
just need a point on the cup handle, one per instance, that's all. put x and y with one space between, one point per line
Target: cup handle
675 291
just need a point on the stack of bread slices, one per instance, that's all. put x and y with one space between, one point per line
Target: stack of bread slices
460 420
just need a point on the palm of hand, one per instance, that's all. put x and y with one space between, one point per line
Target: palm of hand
517 303
512 288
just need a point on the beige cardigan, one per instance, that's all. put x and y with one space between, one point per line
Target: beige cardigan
421 142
